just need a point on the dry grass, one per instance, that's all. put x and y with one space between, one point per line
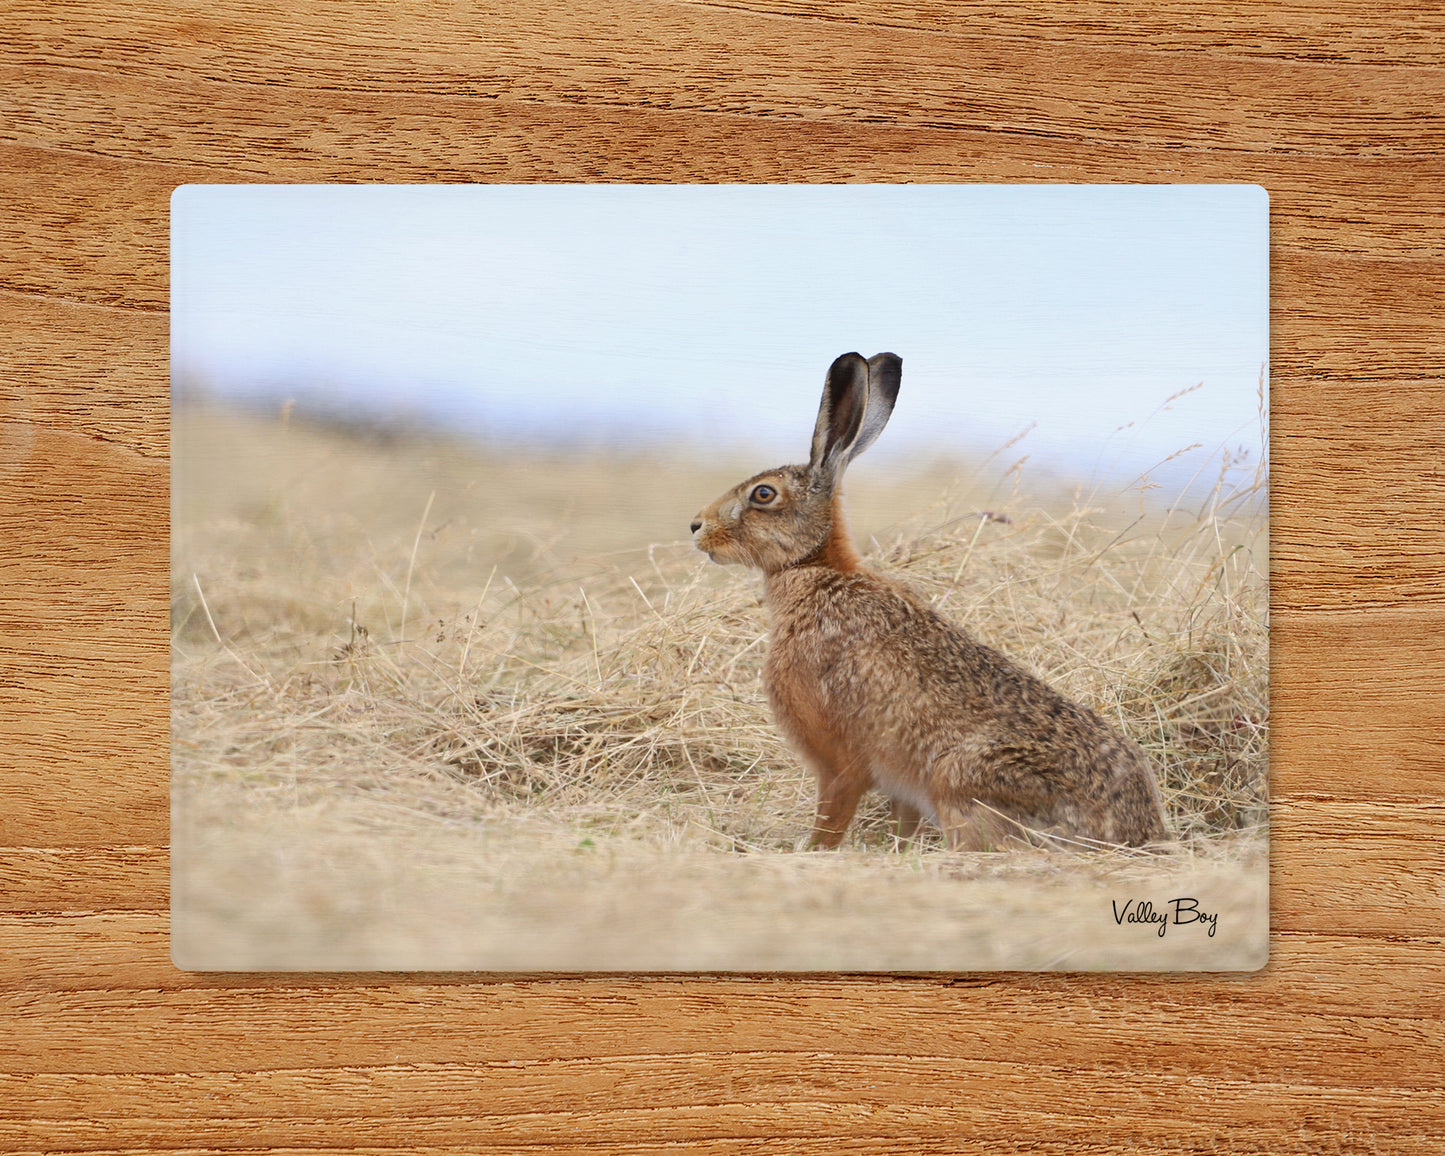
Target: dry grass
442 707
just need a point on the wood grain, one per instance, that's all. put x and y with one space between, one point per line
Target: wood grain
1335 108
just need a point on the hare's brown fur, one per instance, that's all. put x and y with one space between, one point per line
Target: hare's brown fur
875 689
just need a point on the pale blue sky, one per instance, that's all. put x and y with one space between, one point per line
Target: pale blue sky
712 312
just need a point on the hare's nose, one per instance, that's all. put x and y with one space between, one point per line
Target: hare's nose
696 525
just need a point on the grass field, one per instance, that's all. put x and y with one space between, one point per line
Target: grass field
446 706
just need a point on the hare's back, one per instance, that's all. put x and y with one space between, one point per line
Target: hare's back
874 632
868 652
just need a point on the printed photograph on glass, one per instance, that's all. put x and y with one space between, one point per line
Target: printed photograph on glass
720 578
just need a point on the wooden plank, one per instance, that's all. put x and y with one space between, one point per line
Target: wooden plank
499 1083
755 1097
638 52
479 1142
1338 32
1114 1024
127 950
1332 31
89 370
85 239
90 879
80 131
83 644
1352 525
1354 706
1365 867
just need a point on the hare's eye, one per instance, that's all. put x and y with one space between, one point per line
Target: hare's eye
762 495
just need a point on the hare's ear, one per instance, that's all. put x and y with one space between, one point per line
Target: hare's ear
840 417
857 401
885 374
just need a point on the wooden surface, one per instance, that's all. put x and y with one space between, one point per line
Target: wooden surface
1334 107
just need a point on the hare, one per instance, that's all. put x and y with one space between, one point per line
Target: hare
875 689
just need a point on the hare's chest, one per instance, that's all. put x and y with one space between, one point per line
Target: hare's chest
803 704
790 674
813 675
